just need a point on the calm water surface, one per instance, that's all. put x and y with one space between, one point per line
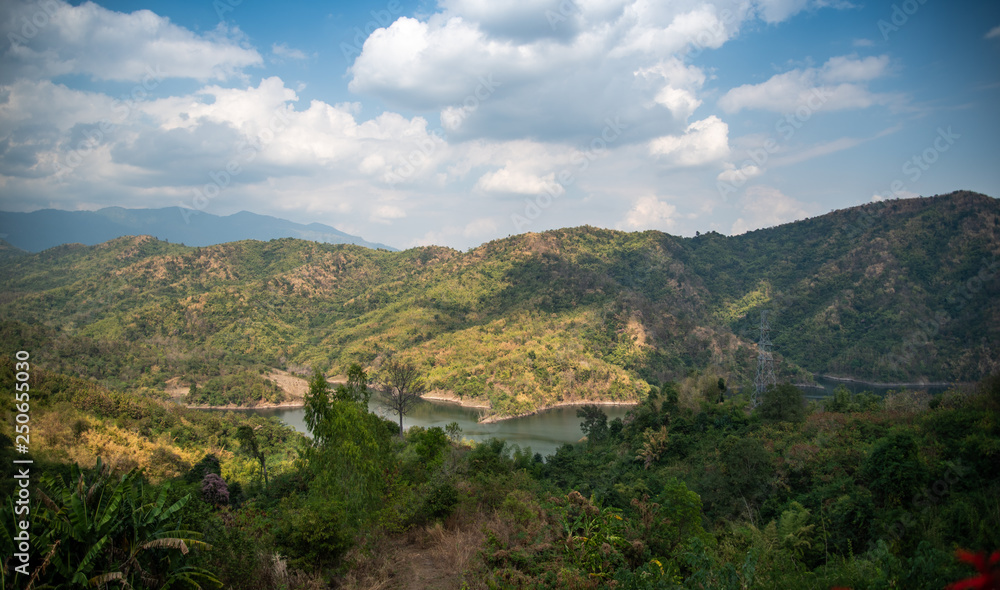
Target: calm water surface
543 432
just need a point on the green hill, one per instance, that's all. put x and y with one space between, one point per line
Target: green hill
895 291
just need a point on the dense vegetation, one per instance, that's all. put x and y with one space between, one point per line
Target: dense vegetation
894 291
245 388
863 493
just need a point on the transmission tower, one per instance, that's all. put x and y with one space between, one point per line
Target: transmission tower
765 362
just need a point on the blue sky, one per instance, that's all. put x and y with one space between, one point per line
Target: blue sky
461 121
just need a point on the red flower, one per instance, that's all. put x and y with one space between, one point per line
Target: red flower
989 574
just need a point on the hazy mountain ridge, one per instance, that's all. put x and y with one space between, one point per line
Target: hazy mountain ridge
535 319
47 228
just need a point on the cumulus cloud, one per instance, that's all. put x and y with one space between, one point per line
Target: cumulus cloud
107 45
527 91
765 206
681 85
702 142
506 180
598 58
839 84
649 212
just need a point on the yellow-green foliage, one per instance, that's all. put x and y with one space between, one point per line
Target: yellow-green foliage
735 310
699 387
78 421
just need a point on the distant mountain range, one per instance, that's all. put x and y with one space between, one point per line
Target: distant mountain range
47 228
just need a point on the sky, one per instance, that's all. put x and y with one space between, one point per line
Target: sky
457 122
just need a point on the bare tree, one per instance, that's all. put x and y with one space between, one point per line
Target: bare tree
402 388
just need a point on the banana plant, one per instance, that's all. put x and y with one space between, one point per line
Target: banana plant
111 531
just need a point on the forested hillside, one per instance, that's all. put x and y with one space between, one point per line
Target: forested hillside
895 291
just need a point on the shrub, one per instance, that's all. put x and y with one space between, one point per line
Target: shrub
893 470
214 490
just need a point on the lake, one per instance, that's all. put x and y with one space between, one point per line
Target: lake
545 431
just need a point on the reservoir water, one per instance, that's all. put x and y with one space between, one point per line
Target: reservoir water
543 432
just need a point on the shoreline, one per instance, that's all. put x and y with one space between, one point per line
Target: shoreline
874 384
501 418
278 406
450 398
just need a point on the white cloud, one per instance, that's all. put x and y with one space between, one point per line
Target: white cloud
386 213
604 96
107 45
738 176
994 33
617 57
649 212
847 68
283 50
484 227
506 180
681 84
838 85
703 142
775 11
765 206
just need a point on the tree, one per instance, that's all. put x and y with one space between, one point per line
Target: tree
595 423
214 490
402 388
249 445
356 390
722 390
454 431
351 462
783 403
317 405
653 446
892 470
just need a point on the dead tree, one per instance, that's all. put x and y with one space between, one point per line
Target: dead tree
401 388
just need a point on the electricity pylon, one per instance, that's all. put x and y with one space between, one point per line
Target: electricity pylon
765 362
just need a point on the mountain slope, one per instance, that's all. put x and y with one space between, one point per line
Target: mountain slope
537 319
47 228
